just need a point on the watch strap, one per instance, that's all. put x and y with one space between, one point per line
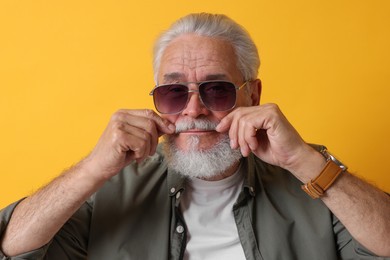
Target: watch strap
317 187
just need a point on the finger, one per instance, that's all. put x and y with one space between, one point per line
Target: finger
163 125
139 148
147 126
129 140
237 128
250 135
242 125
140 141
225 124
125 145
147 121
233 134
229 124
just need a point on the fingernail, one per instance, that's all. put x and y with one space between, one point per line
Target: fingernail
172 127
244 152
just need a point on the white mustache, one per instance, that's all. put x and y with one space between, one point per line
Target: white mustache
200 124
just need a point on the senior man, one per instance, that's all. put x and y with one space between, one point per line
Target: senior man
225 183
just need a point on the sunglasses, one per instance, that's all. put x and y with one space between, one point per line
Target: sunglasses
215 95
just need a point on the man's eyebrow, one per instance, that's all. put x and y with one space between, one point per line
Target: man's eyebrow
177 76
216 77
174 76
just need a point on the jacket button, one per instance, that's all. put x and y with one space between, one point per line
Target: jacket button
173 190
179 229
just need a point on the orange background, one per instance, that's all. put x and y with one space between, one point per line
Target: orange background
66 66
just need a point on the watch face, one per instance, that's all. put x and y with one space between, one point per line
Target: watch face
334 159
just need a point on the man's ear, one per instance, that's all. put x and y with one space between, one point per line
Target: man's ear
256 92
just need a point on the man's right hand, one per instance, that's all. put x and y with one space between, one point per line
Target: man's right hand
130 135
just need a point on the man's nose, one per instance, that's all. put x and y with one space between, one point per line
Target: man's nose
195 106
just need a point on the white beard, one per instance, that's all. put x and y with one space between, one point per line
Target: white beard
197 163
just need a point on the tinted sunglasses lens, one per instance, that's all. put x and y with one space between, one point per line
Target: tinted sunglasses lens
218 96
170 99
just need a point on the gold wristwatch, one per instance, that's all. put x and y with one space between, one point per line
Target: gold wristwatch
333 168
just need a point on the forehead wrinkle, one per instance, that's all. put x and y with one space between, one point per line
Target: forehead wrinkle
193 58
198 59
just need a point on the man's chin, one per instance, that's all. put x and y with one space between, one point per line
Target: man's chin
200 161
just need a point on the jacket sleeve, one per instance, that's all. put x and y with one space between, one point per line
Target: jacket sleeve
69 243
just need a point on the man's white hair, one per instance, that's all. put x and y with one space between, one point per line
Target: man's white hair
213 25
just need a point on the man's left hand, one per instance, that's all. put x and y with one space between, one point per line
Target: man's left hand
266 132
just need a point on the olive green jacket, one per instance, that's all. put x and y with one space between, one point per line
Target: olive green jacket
136 215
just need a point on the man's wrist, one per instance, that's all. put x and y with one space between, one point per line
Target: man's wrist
333 168
310 164
88 173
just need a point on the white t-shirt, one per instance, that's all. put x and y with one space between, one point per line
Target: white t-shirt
207 208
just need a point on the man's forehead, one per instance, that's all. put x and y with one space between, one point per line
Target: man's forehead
197 58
